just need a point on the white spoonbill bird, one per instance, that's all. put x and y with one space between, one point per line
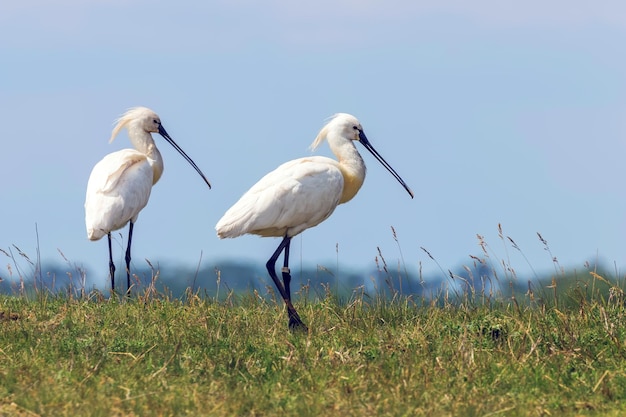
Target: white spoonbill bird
119 185
301 194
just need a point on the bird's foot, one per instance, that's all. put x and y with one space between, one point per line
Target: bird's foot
296 325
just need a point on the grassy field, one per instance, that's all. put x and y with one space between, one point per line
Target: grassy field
154 355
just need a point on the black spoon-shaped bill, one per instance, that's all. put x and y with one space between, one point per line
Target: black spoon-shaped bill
366 143
169 139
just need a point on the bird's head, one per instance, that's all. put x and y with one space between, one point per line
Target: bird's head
341 124
140 117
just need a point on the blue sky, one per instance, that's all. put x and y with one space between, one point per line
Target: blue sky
510 114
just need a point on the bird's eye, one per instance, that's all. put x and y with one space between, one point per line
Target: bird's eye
355 127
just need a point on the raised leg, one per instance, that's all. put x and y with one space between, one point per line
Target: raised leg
130 238
111 265
295 323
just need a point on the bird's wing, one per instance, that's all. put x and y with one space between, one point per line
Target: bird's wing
118 189
297 195
108 173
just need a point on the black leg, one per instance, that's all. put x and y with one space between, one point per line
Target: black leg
295 323
270 265
111 265
286 272
130 238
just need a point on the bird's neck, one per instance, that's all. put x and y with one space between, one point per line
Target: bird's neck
156 162
143 142
353 169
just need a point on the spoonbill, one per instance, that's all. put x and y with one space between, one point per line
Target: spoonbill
300 194
120 184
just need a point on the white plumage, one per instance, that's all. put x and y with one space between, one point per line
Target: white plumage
120 184
297 195
302 193
118 189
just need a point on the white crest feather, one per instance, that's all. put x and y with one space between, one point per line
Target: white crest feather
131 114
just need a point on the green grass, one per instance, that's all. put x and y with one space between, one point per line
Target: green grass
154 355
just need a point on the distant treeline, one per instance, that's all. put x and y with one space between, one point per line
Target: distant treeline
224 278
